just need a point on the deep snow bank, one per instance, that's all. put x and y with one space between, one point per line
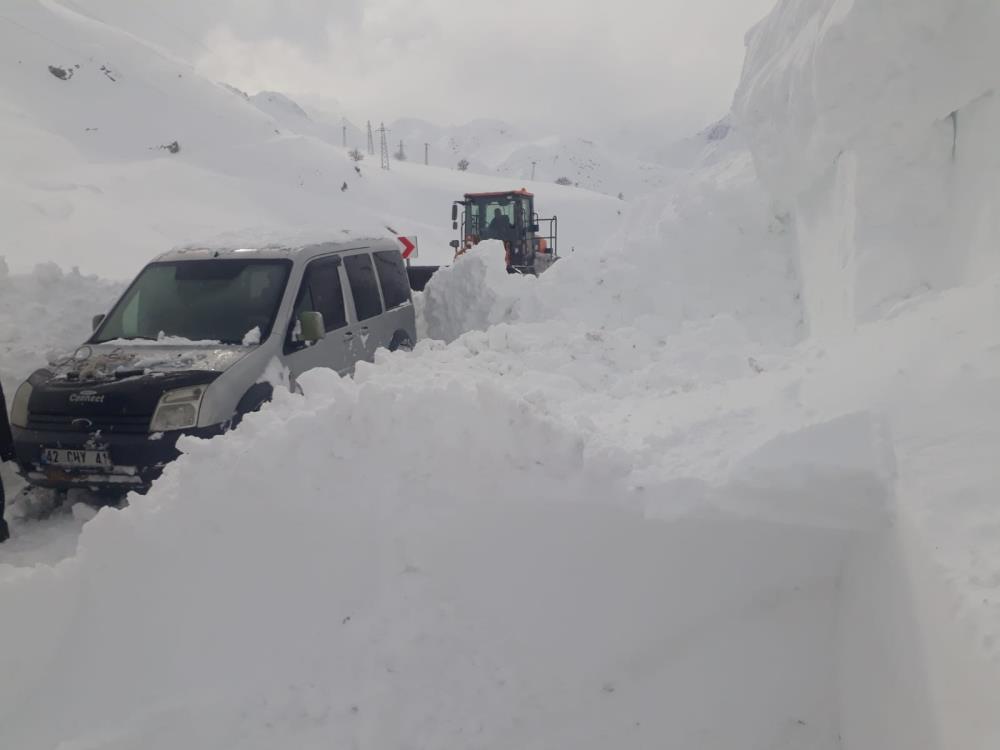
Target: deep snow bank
43 314
475 565
487 581
874 123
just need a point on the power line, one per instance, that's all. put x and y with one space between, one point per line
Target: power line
371 140
384 135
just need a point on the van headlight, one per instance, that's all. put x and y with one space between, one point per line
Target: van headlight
178 409
19 407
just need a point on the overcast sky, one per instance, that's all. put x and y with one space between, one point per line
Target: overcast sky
559 65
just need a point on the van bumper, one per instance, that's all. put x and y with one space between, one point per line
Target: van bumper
136 460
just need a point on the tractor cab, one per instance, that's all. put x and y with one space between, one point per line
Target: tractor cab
530 242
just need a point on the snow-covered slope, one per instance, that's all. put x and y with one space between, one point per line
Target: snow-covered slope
120 151
293 118
497 147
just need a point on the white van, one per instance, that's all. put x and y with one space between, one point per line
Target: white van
191 347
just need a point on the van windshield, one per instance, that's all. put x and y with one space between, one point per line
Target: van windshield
225 301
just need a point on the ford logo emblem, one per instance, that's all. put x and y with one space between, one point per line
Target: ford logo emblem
82 424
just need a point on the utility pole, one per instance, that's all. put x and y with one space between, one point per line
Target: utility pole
426 160
532 170
401 152
383 135
344 129
371 140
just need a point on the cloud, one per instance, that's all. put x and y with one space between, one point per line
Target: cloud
558 64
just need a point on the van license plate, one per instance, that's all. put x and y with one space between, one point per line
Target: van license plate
69 457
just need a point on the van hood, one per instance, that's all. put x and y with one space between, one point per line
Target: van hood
119 361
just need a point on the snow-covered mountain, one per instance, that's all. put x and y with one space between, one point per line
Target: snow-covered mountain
295 119
492 147
495 147
115 150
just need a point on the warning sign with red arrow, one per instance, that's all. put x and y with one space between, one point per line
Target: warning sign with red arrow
409 247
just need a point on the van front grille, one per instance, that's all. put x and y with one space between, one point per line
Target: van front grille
119 424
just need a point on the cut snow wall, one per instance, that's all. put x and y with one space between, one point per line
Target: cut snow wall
873 121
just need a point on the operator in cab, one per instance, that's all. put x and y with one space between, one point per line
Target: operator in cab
500 227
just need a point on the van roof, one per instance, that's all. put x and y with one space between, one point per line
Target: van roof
269 249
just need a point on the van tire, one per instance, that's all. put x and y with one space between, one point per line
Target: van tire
4 528
401 342
253 400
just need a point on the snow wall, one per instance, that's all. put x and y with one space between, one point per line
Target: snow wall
873 122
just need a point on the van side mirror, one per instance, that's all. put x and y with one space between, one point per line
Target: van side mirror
455 244
454 225
533 228
454 212
312 326
96 321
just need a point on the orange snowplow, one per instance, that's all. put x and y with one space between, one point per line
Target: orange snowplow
511 218
530 242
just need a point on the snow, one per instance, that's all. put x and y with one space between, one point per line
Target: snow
162 339
46 313
452 613
90 186
497 147
721 478
252 337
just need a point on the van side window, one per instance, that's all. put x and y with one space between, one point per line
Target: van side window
321 292
392 276
364 286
